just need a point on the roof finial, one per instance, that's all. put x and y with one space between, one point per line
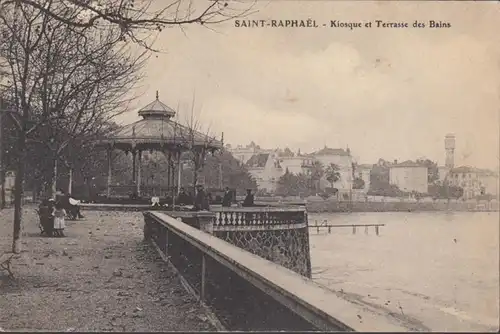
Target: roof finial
157 96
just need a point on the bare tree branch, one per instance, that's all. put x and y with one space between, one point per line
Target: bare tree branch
135 17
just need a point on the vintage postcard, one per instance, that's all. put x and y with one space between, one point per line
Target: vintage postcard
249 165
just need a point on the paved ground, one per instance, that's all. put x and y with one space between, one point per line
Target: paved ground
100 277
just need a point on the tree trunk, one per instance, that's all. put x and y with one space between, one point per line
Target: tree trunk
53 188
2 190
70 180
18 192
195 179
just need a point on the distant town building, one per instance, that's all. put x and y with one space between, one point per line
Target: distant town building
297 164
474 181
449 145
341 158
267 166
443 173
244 153
265 169
363 172
409 176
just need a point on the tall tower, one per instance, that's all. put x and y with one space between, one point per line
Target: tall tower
449 146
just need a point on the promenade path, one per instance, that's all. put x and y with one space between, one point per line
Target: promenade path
100 277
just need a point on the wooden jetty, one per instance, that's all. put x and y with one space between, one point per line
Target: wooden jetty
354 227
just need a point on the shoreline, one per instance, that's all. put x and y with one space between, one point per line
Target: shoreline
319 207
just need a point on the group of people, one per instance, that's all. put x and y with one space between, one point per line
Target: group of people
54 211
202 199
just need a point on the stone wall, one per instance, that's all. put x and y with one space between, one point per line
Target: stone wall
279 235
286 247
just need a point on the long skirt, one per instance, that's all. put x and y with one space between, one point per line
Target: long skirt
59 223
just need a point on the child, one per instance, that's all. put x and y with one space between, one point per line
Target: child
59 224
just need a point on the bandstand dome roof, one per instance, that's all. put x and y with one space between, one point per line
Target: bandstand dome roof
158 131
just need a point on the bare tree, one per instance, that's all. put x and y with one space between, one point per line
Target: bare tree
64 82
199 143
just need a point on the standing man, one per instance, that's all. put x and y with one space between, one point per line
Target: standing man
201 200
183 198
228 198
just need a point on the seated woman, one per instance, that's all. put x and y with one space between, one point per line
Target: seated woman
45 211
155 201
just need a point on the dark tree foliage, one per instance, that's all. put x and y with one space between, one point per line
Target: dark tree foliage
290 184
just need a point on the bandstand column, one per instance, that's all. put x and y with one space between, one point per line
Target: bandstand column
179 172
169 172
172 176
108 190
133 166
139 158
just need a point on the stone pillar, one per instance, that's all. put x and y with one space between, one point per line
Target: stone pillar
205 221
139 159
108 193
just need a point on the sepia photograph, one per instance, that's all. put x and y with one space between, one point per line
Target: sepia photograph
249 165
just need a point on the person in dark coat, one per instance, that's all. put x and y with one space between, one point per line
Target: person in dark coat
46 210
201 200
183 198
249 199
228 198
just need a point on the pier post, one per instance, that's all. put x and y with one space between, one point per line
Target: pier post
366 229
329 229
354 229
376 230
317 229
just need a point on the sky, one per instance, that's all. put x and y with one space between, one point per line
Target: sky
383 92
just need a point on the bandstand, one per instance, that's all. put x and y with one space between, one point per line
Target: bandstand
157 131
